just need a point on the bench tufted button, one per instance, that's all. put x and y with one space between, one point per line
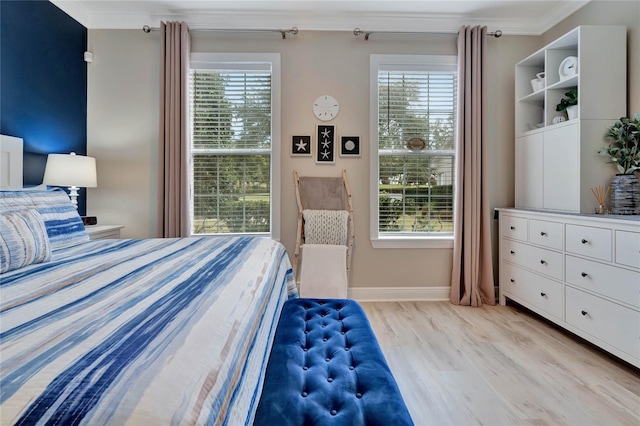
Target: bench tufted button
304 394
305 349
330 379
327 359
334 412
346 349
305 368
352 367
324 325
342 332
325 339
358 395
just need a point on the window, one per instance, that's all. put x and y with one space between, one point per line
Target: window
234 106
413 128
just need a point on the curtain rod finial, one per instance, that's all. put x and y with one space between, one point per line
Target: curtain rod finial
146 29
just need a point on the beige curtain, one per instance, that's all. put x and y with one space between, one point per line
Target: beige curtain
173 200
472 277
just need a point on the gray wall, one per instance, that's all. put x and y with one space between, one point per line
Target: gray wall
123 83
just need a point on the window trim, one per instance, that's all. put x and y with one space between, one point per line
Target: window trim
250 61
396 63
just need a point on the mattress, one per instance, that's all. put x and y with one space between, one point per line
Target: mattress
158 331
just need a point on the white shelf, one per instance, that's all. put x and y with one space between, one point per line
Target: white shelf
565 84
600 82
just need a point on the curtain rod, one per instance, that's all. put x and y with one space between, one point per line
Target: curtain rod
358 32
292 30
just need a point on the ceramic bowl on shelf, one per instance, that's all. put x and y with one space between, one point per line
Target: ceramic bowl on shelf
536 126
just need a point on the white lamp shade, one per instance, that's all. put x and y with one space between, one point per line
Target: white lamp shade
70 170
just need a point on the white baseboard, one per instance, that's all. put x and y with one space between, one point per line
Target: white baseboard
399 294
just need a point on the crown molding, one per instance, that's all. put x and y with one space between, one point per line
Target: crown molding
322 20
74 9
560 13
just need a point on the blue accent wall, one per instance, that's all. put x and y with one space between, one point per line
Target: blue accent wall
43 83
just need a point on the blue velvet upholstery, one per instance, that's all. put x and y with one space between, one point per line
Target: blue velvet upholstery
326 368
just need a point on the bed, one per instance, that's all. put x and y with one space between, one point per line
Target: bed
156 331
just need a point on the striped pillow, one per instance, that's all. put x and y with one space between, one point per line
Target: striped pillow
64 225
23 240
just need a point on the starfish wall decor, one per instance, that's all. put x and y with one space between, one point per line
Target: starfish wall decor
325 147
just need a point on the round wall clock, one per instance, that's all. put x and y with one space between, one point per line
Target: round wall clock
326 108
568 67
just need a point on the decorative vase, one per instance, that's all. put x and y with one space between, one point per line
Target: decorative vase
572 112
625 195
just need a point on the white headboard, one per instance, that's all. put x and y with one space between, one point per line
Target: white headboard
10 162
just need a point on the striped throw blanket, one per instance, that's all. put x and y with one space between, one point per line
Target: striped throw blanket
141 332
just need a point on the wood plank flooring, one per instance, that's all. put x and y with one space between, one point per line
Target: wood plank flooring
499 365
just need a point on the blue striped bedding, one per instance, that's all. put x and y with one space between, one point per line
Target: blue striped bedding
141 332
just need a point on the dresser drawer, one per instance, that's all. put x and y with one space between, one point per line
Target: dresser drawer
615 283
545 233
541 260
611 323
628 248
526 287
588 241
514 227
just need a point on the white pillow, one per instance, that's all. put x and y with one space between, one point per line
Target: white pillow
325 226
23 240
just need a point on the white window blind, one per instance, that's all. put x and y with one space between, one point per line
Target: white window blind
231 114
416 142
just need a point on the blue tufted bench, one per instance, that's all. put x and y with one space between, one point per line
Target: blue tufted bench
326 368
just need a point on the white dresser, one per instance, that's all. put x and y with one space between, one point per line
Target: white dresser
580 271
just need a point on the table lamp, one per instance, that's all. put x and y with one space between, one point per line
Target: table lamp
71 170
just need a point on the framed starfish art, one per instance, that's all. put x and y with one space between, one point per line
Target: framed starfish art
301 146
326 146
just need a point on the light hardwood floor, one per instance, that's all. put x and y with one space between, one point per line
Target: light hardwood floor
499 365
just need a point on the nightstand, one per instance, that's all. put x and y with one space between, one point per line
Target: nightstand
103 232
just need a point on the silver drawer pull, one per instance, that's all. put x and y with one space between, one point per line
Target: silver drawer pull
513 228
543 262
584 241
512 252
584 313
543 233
584 274
543 294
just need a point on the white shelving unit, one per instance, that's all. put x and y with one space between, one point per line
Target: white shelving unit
557 164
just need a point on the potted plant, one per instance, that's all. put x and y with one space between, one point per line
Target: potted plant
569 103
624 151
